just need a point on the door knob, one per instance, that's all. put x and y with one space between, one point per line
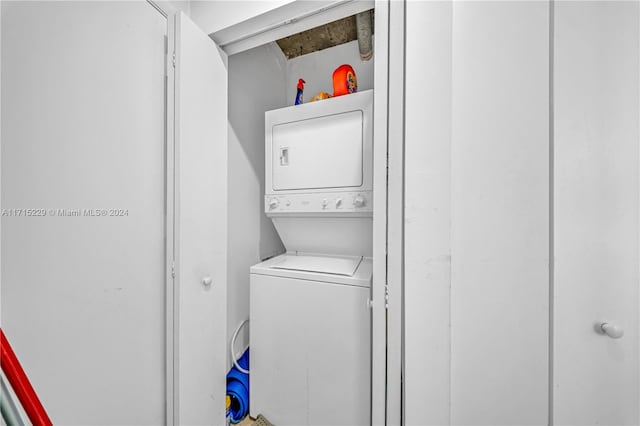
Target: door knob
206 281
612 330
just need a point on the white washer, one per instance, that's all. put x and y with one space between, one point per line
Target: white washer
310 340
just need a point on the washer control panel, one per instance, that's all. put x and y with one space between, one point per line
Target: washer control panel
337 202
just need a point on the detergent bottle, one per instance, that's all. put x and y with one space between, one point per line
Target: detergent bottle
344 80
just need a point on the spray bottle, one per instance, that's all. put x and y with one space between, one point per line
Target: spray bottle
301 83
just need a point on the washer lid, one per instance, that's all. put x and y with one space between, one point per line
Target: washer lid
305 270
345 266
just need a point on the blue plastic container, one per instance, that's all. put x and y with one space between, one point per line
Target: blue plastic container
238 390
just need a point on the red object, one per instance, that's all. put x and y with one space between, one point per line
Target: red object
21 385
344 80
301 83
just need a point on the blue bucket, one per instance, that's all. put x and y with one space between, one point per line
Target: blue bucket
238 390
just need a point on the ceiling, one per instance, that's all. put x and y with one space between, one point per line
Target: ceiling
322 37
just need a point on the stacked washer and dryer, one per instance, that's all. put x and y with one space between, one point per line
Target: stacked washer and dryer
310 328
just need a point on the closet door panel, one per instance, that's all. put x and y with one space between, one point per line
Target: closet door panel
597 91
201 228
500 213
83 144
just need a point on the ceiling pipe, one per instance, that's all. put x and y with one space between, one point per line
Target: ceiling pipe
363 28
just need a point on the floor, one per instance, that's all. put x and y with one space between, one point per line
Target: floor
248 421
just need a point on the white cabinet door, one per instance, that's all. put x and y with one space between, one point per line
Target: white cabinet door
499 213
596 212
199 357
427 210
83 119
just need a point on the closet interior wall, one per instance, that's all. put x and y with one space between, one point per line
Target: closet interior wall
262 79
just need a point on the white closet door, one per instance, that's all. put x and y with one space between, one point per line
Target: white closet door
499 213
476 213
427 227
201 227
83 129
596 212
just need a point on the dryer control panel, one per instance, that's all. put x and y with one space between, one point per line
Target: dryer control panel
335 202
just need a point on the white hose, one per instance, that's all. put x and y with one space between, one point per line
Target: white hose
233 343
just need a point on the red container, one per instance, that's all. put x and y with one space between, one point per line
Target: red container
344 80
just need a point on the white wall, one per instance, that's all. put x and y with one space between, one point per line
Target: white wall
181 5
256 85
252 236
317 70
213 16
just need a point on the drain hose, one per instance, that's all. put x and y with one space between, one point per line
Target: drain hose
232 345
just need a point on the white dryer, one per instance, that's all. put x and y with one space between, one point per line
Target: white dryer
319 175
310 322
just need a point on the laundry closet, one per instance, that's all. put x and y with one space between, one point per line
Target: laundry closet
501 285
301 223
303 229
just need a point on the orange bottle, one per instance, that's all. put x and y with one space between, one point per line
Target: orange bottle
344 80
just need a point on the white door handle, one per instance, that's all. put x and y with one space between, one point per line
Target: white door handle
612 330
206 281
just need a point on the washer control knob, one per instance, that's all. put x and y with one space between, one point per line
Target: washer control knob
273 203
338 203
324 203
359 201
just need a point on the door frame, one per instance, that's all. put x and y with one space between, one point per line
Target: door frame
386 306
394 238
382 383
172 290
386 292
171 396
